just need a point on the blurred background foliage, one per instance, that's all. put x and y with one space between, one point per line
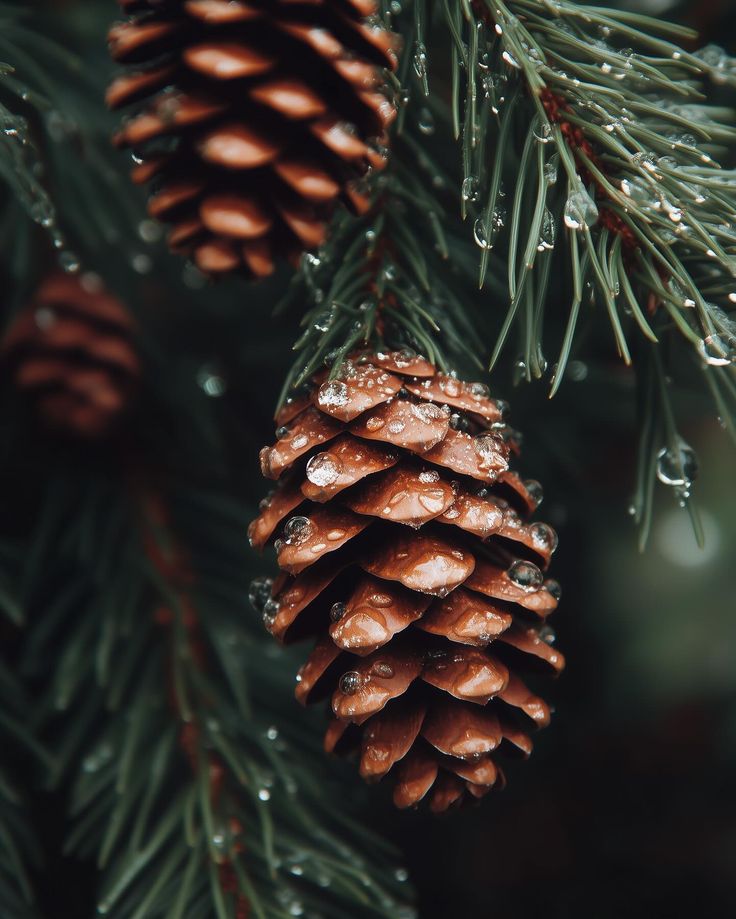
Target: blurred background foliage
627 807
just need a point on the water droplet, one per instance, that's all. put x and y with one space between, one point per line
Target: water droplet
260 592
323 321
426 412
150 231
480 236
297 530
97 759
382 669
543 132
535 491
470 189
264 794
419 60
581 211
484 235
270 612
350 683
429 476
717 61
677 466
323 470
272 733
547 232
547 634
716 352
644 161
489 449
69 262
333 394
401 875
44 318
577 371
551 168
210 380
479 391
337 611
141 263
544 537
425 122
526 575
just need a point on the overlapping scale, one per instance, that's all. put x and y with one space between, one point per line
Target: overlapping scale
407 550
255 119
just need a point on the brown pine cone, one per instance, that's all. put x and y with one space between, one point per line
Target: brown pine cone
255 118
401 537
71 351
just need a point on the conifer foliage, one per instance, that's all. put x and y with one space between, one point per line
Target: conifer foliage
369 205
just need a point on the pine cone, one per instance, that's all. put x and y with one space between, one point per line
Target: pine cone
403 548
70 350
257 117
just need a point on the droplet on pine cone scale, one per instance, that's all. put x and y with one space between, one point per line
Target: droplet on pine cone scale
350 682
490 450
414 593
535 491
323 469
544 536
297 529
260 147
526 575
334 393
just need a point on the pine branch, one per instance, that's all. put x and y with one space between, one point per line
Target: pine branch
20 852
619 161
56 162
590 152
181 789
388 279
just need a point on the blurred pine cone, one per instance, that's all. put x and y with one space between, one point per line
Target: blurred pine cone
402 540
256 117
71 352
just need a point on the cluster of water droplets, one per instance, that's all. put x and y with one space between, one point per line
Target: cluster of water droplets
720 65
28 172
260 595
